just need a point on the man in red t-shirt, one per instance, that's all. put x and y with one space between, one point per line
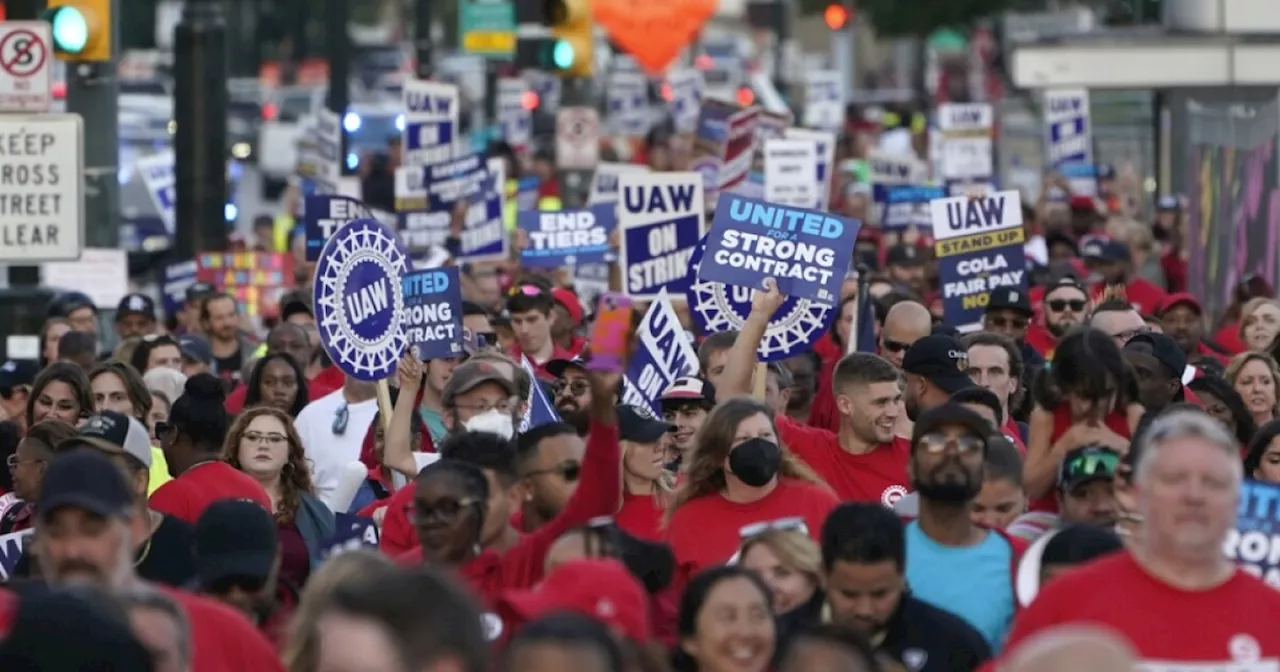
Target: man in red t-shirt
1182 318
1111 260
1175 594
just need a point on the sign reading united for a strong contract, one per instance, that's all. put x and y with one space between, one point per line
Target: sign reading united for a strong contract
41 188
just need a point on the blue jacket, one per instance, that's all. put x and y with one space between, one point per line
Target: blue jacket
315 522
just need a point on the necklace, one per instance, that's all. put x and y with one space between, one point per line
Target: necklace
154 520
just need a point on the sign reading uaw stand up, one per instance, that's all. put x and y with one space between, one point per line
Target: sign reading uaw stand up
359 299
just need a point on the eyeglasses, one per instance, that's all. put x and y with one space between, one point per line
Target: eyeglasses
574 387
570 471
894 346
1089 463
14 460
269 438
937 443
793 524
447 509
1010 322
485 407
1059 305
340 418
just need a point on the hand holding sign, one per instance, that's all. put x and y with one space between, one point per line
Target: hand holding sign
409 372
768 301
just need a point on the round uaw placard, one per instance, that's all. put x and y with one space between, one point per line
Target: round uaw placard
359 299
797 325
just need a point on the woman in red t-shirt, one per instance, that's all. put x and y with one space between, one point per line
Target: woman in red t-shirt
737 475
1084 396
646 487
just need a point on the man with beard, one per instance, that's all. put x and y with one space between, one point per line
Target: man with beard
1183 319
1009 314
237 556
936 367
953 563
220 321
549 460
686 404
1066 303
573 392
864 560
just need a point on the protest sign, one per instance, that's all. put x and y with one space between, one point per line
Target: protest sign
352 533
323 215
359 299
256 280
419 227
1254 545
792 330
453 180
540 411
978 246
661 221
157 175
432 318
1081 177
967 147
177 278
685 87
567 237
904 205
826 143
410 192
824 100
319 155
894 169
627 103
590 281
514 117
789 176
807 252
430 122
723 147
12 547
484 237
662 354
1069 137
769 126
604 184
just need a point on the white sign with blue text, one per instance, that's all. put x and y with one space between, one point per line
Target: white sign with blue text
514 118
825 141
660 220
979 247
430 122
627 104
967 145
662 355
685 104
157 174
789 177
1069 138
604 183
823 100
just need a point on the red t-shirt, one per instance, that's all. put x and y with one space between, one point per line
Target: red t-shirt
704 531
823 413
188 495
222 639
1229 338
1145 296
317 387
877 476
641 516
1171 629
1013 432
1117 421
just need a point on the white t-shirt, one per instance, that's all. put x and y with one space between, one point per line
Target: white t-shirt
329 452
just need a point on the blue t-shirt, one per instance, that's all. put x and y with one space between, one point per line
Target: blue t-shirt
974 582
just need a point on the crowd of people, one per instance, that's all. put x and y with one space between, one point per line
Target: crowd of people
929 501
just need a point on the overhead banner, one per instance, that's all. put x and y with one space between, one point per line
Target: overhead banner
158 176
789 177
661 221
430 122
432 318
567 237
662 354
826 144
967 147
1069 138
824 100
978 246
627 104
514 117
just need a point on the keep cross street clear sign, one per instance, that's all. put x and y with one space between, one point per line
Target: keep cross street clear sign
41 188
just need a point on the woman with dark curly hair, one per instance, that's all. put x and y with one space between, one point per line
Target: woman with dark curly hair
263 444
277 381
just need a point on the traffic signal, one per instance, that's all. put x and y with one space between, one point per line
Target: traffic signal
573 43
836 16
81 29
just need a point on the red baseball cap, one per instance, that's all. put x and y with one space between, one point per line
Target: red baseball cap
1180 298
600 588
570 302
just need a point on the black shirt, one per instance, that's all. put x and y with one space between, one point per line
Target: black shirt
168 557
228 368
924 638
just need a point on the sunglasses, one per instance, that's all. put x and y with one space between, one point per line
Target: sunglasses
1059 305
894 346
527 290
574 387
447 509
793 524
340 419
938 443
569 471
1090 463
1007 322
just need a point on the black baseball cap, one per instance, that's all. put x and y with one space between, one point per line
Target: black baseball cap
294 304
637 423
1087 463
903 255
942 359
235 539
70 629
17 372
84 479
196 348
1104 250
557 367
1163 348
949 415
69 302
199 290
136 304
1010 298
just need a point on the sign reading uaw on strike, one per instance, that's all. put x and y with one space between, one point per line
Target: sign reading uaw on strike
978 245
660 221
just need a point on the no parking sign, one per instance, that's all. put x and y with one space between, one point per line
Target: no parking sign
359 299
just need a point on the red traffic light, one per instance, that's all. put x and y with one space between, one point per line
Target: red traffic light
529 100
746 97
836 16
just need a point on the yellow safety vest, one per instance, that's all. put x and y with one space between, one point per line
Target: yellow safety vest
159 470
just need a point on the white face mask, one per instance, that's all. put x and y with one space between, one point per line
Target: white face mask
494 422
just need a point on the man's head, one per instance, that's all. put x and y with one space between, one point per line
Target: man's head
1008 313
451 509
936 367
686 404
573 391
904 324
135 316
1087 485
498 459
476 319
219 317
237 556
122 439
530 307
906 266
995 364
1066 303
713 355
481 397
197 354
550 462
195 296
1182 318
568 312
80 311
804 369
868 396
864 556
1108 260
1158 364
83 524
984 402
79 348
291 339
948 448
1002 497
1119 320
777 387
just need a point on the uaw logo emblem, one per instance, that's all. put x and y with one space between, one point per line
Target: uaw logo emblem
359 299
891 495
718 307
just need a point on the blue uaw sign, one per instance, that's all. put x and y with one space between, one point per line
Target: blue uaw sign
323 215
1255 543
359 299
797 325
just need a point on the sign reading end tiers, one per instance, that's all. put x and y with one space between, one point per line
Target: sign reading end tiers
41 188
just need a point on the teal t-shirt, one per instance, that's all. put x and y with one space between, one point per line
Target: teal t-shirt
974 583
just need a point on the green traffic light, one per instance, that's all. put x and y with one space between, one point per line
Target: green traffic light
70 30
562 55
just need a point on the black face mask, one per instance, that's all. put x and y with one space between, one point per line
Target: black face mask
755 461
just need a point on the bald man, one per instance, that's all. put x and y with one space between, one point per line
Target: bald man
906 323
1071 648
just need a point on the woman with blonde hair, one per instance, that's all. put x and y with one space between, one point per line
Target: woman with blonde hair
790 563
1256 377
647 485
738 475
301 650
1259 323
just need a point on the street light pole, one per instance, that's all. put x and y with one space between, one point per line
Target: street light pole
200 143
